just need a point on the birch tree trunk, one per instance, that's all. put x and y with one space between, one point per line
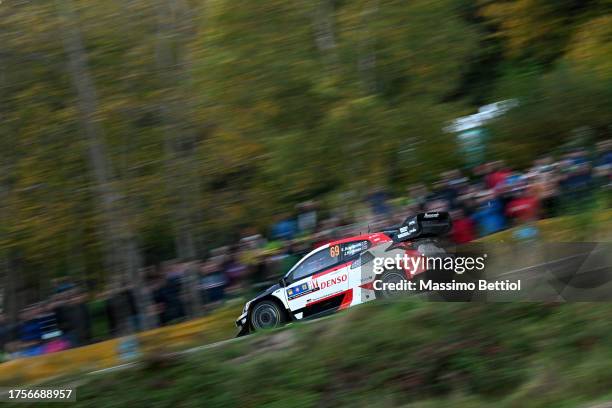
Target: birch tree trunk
119 242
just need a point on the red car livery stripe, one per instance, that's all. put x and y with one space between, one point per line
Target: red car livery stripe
348 299
368 286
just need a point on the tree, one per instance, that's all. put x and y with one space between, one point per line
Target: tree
120 244
180 136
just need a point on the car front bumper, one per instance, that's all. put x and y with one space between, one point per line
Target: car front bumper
242 324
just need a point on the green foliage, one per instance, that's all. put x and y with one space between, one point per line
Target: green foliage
556 108
281 101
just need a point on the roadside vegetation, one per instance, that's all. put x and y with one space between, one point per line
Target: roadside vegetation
389 354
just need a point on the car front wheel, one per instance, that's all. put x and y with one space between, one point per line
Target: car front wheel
266 315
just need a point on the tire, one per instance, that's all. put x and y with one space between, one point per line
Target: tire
391 276
266 315
430 247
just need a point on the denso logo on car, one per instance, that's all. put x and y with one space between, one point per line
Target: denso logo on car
331 282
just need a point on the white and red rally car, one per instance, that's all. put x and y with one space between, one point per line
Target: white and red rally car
339 275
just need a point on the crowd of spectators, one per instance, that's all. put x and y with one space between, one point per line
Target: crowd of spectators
488 199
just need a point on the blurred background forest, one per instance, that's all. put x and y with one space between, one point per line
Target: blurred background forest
135 131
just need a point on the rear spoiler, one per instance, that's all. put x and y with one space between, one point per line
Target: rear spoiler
423 225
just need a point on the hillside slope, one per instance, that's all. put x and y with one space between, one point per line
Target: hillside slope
390 354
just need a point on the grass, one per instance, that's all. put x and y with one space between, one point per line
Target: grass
382 354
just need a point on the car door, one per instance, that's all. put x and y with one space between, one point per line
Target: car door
317 283
351 256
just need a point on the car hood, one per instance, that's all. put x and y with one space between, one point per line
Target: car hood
267 291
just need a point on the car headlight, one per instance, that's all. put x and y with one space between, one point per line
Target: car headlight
246 306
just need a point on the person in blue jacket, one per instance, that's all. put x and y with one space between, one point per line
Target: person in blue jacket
489 216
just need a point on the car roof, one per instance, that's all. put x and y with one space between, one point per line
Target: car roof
374 238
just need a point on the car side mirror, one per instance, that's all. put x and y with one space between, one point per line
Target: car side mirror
282 282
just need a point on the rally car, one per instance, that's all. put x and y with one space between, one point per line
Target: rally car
339 275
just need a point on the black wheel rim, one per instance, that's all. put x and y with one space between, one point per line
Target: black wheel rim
394 277
265 316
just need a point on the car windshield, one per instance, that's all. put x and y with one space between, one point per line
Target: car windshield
314 263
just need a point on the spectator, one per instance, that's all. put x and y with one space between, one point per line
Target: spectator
212 282
378 201
7 334
100 328
251 240
307 217
603 163
235 271
498 175
464 230
53 339
73 316
467 199
489 216
285 228
544 181
524 207
167 294
453 182
441 196
62 285
29 332
437 204
575 180
121 310
417 194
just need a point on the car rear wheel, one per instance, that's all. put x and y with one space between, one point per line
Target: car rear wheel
266 315
430 248
394 277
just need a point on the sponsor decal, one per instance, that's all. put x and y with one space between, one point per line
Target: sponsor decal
431 215
354 248
331 282
301 290
403 234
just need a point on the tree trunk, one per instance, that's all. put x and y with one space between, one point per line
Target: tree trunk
325 36
180 139
367 51
8 274
116 233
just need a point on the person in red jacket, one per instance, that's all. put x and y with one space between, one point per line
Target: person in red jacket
499 174
524 207
464 229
